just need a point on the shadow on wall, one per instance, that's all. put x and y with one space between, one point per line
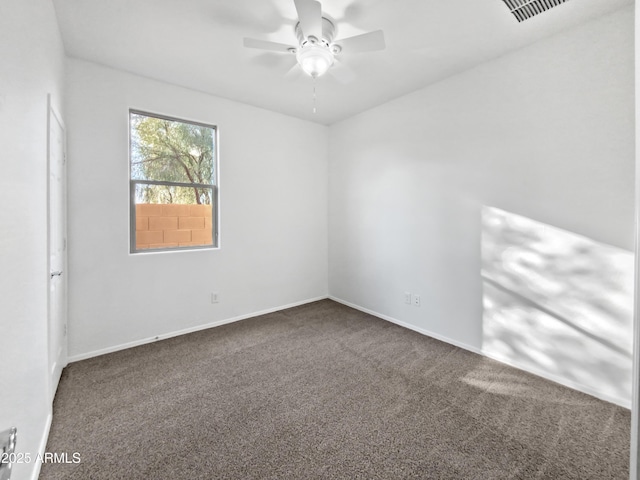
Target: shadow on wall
557 303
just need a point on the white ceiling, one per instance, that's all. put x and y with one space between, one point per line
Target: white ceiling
198 44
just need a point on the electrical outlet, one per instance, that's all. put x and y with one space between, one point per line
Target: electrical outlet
215 297
407 298
416 300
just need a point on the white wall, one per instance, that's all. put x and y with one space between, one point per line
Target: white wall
546 132
273 197
31 59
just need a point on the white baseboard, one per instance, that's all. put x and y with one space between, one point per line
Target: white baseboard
562 381
422 331
164 336
42 448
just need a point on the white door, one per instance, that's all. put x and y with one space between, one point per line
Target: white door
57 249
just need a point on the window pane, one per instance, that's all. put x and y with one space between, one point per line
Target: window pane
171 217
171 150
173 194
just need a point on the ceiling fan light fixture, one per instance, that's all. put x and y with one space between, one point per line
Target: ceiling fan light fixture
315 50
315 59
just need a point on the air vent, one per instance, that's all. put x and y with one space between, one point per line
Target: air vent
524 9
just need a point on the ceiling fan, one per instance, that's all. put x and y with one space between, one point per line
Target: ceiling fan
316 51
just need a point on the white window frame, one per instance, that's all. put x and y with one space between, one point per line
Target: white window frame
214 187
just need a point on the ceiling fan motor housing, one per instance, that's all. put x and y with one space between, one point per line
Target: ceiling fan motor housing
328 32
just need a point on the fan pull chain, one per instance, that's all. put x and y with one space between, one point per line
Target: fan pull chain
314 95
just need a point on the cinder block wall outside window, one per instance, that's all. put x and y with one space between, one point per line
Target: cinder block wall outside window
164 226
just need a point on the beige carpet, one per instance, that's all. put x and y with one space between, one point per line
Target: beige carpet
325 391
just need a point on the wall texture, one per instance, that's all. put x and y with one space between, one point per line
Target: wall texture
31 62
546 133
273 227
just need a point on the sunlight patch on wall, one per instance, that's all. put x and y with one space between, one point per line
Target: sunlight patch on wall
556 302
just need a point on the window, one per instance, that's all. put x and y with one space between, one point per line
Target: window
173 183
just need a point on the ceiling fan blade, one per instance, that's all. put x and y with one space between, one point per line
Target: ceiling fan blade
342 73
367 42
266 45
272 60
294 73
310 16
